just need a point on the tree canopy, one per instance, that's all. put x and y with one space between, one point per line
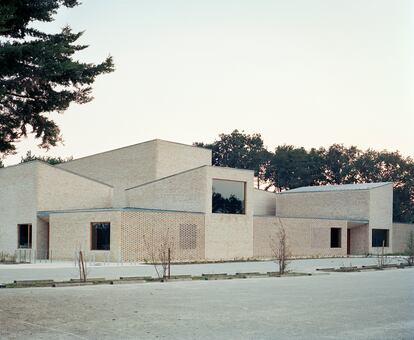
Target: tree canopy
289 167
239 150
38 74
48 159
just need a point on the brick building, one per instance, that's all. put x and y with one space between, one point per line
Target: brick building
115 205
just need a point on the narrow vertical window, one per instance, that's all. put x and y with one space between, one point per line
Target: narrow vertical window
24 236
336 237
100 236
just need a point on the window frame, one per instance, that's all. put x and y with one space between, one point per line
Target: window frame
387 238
338 230
244 201
30 235
91 236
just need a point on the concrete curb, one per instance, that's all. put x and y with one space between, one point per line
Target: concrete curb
143 279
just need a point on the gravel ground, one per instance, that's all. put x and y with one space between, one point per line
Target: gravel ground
66 270
366 305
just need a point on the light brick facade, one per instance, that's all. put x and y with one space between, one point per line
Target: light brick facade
144 232
133 234
71 232
31 187
305 237
156 190
401 232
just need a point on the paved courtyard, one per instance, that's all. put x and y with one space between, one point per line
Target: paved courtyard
366 305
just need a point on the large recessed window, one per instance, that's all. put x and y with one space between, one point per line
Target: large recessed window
24 235
101 232
336 237
380 237
228 197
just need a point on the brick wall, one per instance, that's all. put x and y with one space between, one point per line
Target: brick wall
360 240
142 233
71 232
351 205
305 237
400 232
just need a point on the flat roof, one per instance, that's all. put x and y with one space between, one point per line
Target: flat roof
338 187
157 140
323 218
46 213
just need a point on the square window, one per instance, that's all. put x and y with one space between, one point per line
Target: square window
336 237
100 236
228 197
24 236
380 237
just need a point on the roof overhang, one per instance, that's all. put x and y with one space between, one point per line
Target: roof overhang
357 223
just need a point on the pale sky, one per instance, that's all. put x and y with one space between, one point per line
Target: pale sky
304 72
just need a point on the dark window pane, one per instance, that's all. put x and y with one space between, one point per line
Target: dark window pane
228 197
101 233
24 235
335 237
380 236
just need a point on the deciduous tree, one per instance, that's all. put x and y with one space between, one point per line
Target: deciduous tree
280 248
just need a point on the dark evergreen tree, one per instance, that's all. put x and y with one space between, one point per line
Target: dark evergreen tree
48 159
290 167
234 205
38 74
239 150
338 164
385 166
217 202
231 205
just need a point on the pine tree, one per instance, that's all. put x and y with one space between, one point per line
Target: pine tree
38 74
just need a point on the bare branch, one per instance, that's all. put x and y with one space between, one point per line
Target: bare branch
280 248
159 251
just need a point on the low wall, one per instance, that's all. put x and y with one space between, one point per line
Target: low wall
359 240
71 232
400 233
305 237
144 233
229 237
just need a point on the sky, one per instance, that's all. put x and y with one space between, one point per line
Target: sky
303 72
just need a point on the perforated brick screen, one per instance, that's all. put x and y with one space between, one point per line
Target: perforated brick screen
143 233
188 236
